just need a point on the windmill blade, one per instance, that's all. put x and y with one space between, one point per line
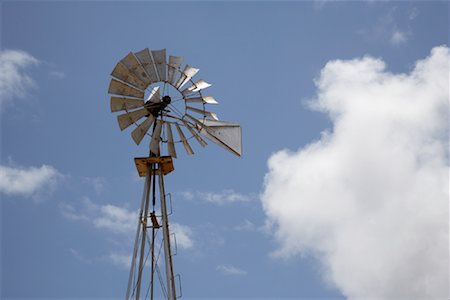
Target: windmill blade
159 58
197 122
197 86
225 134
122 73
133 65
170 143
154 96
156 137
174 65
203 99
203 112
196 136
185 76
140 131
120 88
186 145
127 119
118 104
145 59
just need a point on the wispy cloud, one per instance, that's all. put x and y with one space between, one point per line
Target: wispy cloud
106 216
246 226
398 37
31 182
231 270
57 74
183 235
14 79
394 27
370 198
120 223
120 260
117 259
219 198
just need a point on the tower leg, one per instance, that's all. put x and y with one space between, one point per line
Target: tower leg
171 292
138 233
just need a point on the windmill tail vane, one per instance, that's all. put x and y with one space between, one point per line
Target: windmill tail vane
160 99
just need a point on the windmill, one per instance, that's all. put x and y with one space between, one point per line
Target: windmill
155 96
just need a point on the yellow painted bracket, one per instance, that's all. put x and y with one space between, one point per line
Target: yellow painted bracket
144 163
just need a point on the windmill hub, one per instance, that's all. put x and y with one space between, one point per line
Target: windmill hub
156 108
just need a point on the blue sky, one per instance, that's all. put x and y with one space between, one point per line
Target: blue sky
68 181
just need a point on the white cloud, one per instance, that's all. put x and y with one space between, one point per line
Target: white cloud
57 74
398 37
28 182
183 235
98 183
114 218
14 80
246 226
370 198
226 196
120 260
394 27
230 270
220 198
107 216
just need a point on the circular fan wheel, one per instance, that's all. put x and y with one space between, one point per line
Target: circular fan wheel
156 95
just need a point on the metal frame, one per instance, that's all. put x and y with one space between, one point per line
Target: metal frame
155 167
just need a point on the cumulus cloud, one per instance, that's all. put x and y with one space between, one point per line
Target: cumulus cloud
369 199
28 182
230 270
14 80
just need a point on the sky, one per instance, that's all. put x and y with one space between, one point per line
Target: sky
342 188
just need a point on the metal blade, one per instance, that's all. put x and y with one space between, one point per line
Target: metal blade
118 104
146 61
225 134
122 73
132 64
174 65
170 143
140 131
185 76
197 86
156 138
204 99
127 119
198 122
159 58
186 145
120 88
203 112
154 96
196 136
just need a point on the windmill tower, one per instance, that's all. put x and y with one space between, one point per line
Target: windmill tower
154 96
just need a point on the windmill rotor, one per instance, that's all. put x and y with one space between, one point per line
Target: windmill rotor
139 91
